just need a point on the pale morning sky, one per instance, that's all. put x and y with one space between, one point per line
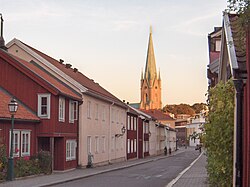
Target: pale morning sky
107 40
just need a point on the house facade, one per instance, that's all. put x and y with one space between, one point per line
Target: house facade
234 63
101 116
55 104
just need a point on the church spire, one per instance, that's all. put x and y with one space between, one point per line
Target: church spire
150 69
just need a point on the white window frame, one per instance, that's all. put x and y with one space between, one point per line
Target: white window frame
88 144
73 111
96 144
128 145
128 122
39 109
70 150
132 145
103 144
61 109
132 123
135 123
27 145
15 153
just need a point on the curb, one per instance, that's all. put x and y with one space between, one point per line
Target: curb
106 171
183 172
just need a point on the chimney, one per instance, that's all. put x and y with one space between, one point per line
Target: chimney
61 61
75 70
2 42
68 65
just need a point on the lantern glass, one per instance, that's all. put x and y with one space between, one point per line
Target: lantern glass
13 106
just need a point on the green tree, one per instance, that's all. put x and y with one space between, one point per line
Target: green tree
197 107
179 109
218 136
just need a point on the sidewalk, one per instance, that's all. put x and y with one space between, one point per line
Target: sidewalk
61 177
195 175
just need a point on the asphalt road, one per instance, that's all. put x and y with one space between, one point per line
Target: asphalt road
156 174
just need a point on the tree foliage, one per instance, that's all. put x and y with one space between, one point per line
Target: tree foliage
185 108
219 134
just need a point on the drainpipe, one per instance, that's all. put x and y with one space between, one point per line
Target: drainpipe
238 84
110 138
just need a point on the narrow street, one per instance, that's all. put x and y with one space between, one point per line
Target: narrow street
157 173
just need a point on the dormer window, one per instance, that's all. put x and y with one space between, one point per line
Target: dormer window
43 110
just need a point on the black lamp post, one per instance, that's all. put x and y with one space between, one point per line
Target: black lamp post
13 106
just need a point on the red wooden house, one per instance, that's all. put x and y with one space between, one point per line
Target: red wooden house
55 104
25 125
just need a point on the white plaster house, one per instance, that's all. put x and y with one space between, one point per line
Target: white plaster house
194 128
102 116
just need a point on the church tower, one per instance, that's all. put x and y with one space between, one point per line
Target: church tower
150 82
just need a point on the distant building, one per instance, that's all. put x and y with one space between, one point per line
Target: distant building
214 47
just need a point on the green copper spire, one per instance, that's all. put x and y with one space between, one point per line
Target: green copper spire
150 69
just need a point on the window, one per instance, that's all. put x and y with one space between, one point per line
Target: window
135 145
96 111
128 122
73 111
44 106
103 113
132 145
16 143
25 140
128 145
96 144
88 110
132 123
88 144
21 143
135 123
61 109
217 45
103 144
70 150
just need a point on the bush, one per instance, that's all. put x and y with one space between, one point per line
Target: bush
25 167
3 162
45 161
218 136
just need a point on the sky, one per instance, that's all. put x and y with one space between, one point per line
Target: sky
107 40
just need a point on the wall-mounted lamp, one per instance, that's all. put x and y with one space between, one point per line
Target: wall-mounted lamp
123 130
149 133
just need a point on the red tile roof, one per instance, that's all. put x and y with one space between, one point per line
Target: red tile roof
158 114
22 113
78 76
39 73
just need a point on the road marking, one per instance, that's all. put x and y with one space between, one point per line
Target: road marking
182 173
158 175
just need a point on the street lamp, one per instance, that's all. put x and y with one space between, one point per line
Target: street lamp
123 130
13 106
